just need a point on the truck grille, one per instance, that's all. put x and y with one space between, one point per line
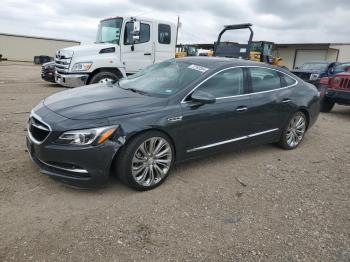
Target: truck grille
38 130
62 61
62 65
345 83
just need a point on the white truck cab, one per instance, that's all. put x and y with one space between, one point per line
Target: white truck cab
124 45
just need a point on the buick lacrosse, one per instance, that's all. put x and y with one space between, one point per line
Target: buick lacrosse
139 127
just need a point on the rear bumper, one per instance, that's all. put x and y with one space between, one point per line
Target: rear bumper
338 96
81 167
71 80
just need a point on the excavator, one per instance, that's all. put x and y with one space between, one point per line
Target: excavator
259 51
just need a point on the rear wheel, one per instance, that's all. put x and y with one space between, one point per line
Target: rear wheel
145 162
327 105
103 77
294 132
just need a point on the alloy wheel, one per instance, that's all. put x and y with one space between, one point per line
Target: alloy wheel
296 130
151 161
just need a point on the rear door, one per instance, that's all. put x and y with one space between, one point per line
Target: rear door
136 56
272 100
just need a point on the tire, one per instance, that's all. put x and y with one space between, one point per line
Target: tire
327 105
294 132
102 77
134 167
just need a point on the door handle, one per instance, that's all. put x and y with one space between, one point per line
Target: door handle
241 109
147 54
286 100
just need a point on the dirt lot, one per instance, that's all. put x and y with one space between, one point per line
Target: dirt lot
292 206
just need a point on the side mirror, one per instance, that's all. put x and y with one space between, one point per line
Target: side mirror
136 31
201 98
297 67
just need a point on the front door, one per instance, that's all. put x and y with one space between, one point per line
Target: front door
223 122
138 55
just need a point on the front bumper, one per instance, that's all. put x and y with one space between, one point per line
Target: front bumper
71 80
48 76
338 96
78 166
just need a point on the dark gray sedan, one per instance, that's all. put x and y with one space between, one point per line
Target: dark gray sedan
169 112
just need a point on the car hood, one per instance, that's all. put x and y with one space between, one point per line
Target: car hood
101 101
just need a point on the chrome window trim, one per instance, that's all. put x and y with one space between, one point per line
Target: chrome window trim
262 92
231 140
32 114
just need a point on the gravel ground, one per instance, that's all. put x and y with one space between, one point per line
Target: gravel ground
257 204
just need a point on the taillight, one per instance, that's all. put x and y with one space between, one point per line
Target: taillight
324 80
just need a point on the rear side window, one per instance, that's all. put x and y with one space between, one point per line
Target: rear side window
264 79
145 33
224 84
287 80
164 34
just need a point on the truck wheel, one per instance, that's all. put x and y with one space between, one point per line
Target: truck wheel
103 77
327 105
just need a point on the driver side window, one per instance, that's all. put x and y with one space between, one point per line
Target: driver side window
227 83
145 33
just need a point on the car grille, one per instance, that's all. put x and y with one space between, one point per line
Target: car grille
304 76
345 83
38 130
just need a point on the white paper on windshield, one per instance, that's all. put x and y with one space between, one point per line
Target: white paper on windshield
198 68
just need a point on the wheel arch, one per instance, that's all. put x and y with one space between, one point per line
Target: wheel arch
115 157
307 115
112 70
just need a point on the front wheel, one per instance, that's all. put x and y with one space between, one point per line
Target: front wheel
294 132
145 162
103 78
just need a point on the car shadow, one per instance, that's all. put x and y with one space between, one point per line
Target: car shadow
341 111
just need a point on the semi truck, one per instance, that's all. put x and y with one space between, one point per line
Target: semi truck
124 45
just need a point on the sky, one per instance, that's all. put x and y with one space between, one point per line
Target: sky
279 21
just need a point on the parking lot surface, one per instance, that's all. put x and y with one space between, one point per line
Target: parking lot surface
257 204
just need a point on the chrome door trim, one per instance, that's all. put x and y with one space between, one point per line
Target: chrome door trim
231 140
219 98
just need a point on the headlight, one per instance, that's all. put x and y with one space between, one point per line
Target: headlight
80 67
87 137
314 76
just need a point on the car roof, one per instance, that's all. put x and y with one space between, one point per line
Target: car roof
218 62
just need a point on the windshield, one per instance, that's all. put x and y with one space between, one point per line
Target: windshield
341 68
164 79
109 31
314 66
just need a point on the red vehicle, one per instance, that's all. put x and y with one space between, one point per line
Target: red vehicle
337 90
